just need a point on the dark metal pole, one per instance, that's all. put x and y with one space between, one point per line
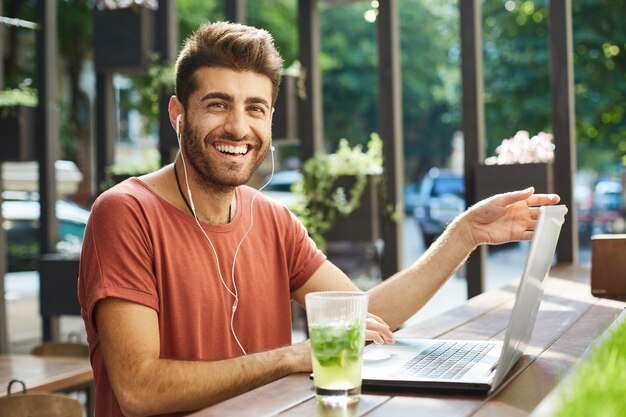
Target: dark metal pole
106 124
390 114
167 30
473 123
310 116
563 118
4 342
167 45
48 126
48 133
235 10
1 53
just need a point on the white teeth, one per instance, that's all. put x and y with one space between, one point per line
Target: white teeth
242 149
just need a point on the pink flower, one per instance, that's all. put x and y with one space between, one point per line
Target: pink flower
522 149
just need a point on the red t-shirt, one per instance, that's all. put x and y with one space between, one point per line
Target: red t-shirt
139 247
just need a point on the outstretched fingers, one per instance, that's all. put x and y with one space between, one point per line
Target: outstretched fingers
542 199
528 195
513 197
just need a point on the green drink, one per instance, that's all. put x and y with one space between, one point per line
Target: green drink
337 356
337 330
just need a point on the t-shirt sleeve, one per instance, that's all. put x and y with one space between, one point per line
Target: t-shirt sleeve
116 260
306 258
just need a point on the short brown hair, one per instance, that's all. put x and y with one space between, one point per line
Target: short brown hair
228 45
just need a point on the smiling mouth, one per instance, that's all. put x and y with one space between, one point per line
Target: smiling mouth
232 150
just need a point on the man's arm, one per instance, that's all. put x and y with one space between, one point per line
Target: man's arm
499 219
144 384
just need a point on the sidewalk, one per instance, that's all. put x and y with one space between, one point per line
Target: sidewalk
23 319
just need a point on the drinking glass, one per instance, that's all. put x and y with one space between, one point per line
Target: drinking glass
336 321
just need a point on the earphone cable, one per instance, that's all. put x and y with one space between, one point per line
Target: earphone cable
251 218
191 206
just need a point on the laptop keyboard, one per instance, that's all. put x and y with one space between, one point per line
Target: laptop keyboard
447 360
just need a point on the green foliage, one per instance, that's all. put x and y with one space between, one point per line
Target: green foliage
22 256
193 13
159 79
599 381
23 96
430 77
349 61
279 18
517 83
322 200
517 78
599 66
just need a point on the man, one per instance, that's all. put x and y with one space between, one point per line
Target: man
186 274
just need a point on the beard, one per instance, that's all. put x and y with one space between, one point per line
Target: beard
221 176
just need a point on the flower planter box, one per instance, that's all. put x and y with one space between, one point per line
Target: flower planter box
496 179
124 39
363 224
17 124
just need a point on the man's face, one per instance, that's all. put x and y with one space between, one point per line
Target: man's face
227 126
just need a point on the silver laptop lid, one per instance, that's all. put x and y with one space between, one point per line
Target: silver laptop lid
530 289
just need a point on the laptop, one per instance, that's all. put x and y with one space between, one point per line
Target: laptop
471 365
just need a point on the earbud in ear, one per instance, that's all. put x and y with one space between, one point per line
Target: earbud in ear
178 123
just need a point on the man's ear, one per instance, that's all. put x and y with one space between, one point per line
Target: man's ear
175 109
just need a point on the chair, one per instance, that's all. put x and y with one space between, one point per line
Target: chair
40 405
73 349
61 349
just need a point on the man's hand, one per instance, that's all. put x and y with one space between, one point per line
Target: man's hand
377 330
506 217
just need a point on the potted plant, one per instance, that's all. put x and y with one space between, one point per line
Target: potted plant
124 35
338 193
522 161
119 172
18 110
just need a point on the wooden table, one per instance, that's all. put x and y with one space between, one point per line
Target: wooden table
569 321
44 373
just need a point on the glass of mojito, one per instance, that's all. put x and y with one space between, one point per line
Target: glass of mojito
336 321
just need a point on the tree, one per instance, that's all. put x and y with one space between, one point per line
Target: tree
75 46
600 84
279 18
429 78
517 84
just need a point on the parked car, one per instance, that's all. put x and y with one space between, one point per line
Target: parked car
583 197
608 205
441 199
20 214
279 187
411 197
